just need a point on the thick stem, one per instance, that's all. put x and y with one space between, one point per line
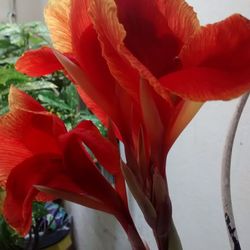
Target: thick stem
161 240
174 239
169 241
132 233
225 176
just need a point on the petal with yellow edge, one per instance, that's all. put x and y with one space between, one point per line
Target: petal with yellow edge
57 18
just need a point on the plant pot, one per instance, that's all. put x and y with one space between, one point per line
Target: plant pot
51 231
57 241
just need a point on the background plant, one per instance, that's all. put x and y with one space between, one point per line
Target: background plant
55 92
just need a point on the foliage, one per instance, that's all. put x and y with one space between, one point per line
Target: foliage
17 38
55 92
9 239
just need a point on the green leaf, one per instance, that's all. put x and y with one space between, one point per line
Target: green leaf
39 210
11 75
9 240
52 102
37 85
11 60
4 42
70 96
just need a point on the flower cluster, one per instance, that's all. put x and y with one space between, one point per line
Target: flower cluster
144 68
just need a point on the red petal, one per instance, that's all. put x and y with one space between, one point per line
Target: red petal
223 45
36 131
99 90
153 124
82 199
181 18
92 106
148 35
105 152
88 53
25 130
38 62
20 191
45 170
21 100
79 22
85 174
216 62
203 84
181 115
112 37
12 153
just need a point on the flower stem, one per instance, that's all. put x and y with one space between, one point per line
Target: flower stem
171 241
132 233
174 239
225 176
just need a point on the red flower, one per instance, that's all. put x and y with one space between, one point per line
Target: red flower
159 41
36 150
140 64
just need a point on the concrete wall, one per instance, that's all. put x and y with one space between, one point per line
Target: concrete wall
26 10
4 9
193 166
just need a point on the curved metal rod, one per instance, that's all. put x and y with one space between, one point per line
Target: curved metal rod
225 176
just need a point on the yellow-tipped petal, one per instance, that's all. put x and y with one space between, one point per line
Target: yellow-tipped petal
57 14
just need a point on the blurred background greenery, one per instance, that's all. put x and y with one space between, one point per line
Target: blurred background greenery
55 92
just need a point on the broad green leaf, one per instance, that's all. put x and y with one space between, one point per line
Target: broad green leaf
52 102
4 43
11 75
11 60
37 85
70 96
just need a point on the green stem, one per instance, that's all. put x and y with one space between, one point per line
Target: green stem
174 239
169 241
132 233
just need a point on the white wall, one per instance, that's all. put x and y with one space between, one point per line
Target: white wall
4 9
27 10
193 165
194 178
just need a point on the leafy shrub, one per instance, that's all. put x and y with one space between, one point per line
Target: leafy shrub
55 92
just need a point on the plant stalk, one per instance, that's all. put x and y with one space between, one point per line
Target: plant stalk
132 233
171 241
174 239
225 176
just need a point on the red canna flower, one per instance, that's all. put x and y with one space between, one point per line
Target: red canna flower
37 153
145 66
